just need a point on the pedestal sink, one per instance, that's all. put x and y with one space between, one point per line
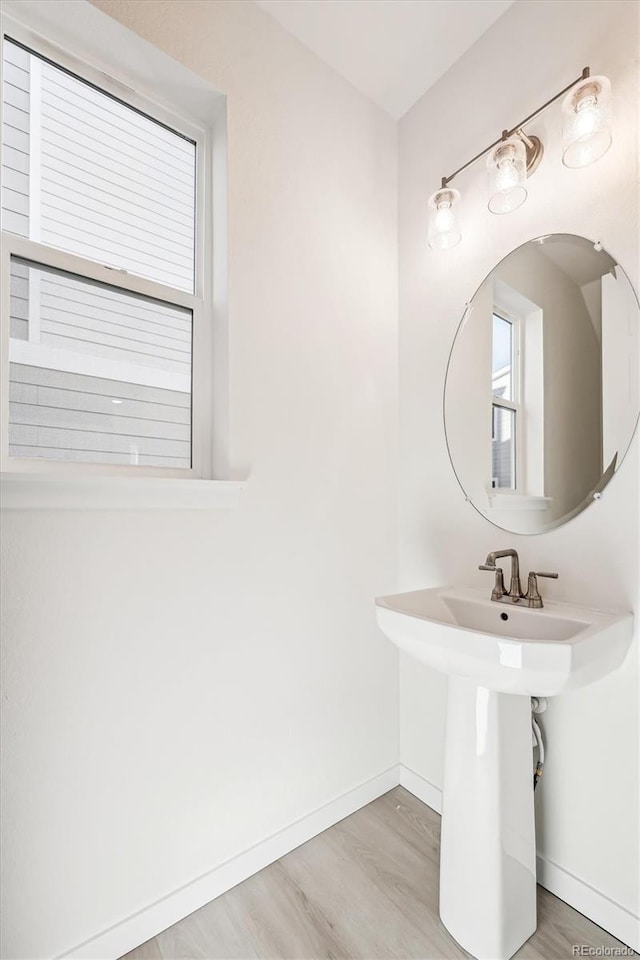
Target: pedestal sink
497 656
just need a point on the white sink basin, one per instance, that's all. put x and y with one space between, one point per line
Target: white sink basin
506 647
497 656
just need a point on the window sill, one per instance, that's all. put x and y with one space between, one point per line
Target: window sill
23 491
515 501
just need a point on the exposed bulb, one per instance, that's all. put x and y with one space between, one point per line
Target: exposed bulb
586 122
444 227
444 216
507 171
507 174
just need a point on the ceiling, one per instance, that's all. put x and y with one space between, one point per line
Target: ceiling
578 259
390 50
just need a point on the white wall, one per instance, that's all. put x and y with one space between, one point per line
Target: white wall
588 803
620 366
180 685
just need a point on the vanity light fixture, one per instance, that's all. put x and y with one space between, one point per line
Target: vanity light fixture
586 113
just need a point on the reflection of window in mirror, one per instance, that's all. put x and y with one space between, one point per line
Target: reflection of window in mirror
505 406
517 388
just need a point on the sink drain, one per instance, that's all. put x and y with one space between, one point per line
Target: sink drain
504 616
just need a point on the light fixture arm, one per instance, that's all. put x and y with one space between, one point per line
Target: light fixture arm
586 72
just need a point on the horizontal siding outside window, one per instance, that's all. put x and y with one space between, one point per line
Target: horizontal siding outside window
108 393
91 176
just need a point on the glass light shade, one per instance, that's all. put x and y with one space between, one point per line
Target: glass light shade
586 122
507 169
444 219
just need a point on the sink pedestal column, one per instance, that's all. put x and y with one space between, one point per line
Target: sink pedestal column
488 851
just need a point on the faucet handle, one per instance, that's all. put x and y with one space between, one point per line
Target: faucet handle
532 596
498 587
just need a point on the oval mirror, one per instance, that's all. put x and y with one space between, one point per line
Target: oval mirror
541 394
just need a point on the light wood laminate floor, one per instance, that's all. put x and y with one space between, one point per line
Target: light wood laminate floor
366 888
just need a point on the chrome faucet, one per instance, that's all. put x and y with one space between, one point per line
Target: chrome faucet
514 594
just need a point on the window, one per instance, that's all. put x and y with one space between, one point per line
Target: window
517 395
505 409
106 308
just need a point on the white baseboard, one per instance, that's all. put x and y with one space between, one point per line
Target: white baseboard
141 926
420 788
591 902
613 917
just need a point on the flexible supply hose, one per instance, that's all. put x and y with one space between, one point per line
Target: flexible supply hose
538 705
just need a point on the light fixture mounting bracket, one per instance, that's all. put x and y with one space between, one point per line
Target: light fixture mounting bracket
534 151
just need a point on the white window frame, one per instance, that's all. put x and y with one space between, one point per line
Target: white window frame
206 127
514 405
